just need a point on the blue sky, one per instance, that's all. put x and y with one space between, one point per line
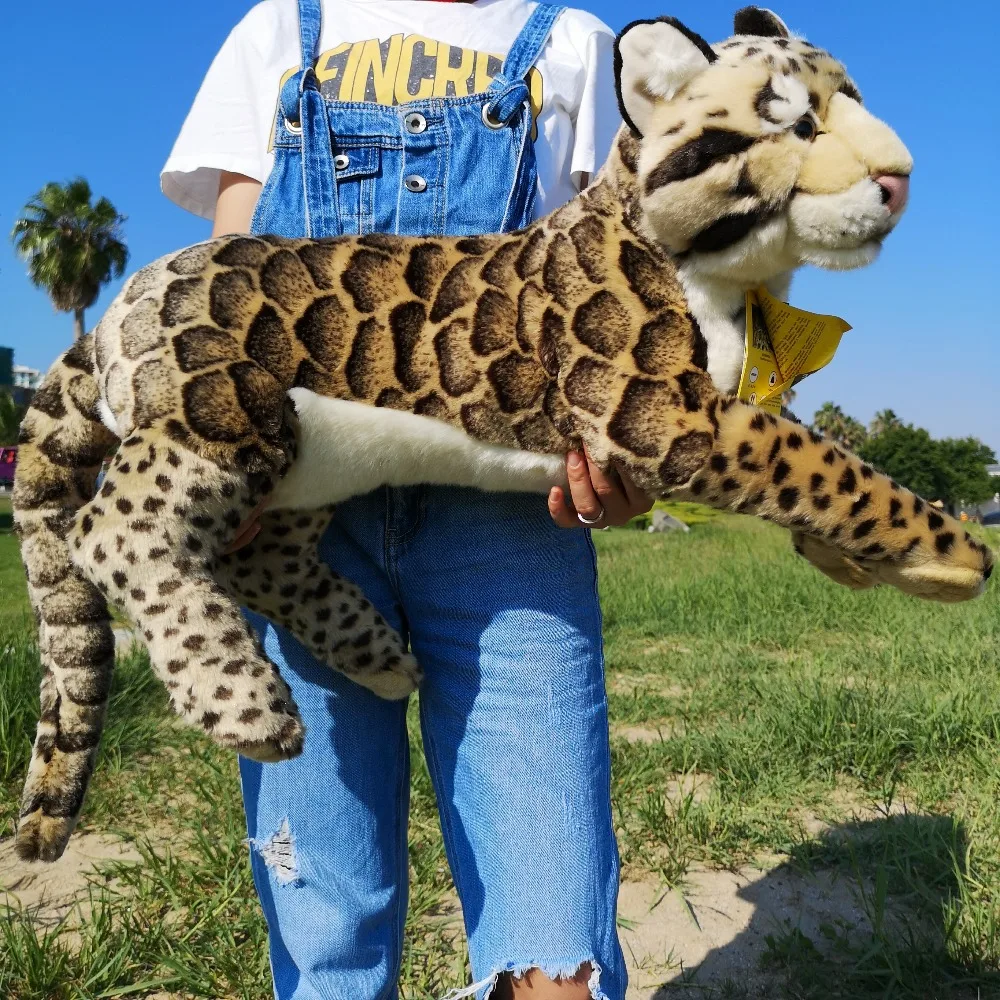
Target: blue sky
100 89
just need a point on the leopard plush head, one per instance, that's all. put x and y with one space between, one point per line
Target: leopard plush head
754 156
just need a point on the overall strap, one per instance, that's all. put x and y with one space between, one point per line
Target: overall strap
304 109
310 25
508 91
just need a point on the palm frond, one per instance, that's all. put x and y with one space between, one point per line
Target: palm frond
72 246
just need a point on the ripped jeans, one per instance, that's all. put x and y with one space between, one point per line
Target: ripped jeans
500 608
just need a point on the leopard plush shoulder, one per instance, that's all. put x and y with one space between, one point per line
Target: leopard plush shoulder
249 373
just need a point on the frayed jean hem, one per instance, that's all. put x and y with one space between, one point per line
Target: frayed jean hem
554 970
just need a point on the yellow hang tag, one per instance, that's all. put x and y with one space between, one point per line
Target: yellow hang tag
783 345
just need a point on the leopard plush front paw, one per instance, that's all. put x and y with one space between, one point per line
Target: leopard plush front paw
920 573
952 572
834 562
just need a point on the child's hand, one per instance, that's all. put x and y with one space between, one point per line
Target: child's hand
596 499
248 530
603 500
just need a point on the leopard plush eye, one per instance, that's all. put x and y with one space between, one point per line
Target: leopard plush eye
805 128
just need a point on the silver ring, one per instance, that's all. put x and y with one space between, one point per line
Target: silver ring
590 522
490 121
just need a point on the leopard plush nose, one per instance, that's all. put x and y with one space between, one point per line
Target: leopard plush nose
895 191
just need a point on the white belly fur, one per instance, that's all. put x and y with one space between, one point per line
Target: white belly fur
346 449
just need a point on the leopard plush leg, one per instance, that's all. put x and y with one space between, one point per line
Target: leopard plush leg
62 445
764 465
718 451
834 562
148 541
281 576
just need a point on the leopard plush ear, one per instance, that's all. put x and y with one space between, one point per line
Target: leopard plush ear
653 60
761 22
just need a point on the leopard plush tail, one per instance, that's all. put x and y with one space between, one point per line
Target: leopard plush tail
853 523
61 448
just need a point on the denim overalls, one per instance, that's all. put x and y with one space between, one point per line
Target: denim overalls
498 604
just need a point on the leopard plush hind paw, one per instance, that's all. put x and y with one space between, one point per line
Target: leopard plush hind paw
399 676
281 575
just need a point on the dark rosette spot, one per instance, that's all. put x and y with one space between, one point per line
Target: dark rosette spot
241 251
603 324
494 323
182 302
201 347
323 331
426 267
640 422
406 321
212 408
286 280
517 381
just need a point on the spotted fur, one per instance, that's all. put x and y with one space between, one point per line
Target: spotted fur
612 323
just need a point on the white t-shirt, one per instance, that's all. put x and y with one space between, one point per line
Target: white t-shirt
384 50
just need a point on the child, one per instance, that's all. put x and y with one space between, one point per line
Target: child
357 116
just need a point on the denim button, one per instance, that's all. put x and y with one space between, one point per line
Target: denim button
341 161
415 183
415 123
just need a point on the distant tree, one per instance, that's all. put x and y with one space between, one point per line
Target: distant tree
965 460
855 434
910 456
831 421
952 470
72 246
10 419
787 398
883 421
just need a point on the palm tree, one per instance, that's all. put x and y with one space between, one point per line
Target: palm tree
884 420
830 421
854 435
72 247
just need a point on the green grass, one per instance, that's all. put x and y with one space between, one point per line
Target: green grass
14 609
787 698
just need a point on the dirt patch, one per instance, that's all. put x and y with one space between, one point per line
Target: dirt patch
48 892
621 682
693 785
850 804
710 936
713 934
643 734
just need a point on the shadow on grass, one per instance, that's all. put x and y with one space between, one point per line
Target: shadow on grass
873 908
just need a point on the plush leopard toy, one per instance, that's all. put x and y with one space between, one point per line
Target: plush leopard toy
245 372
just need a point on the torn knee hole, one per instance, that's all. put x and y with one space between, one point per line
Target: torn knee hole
278 854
